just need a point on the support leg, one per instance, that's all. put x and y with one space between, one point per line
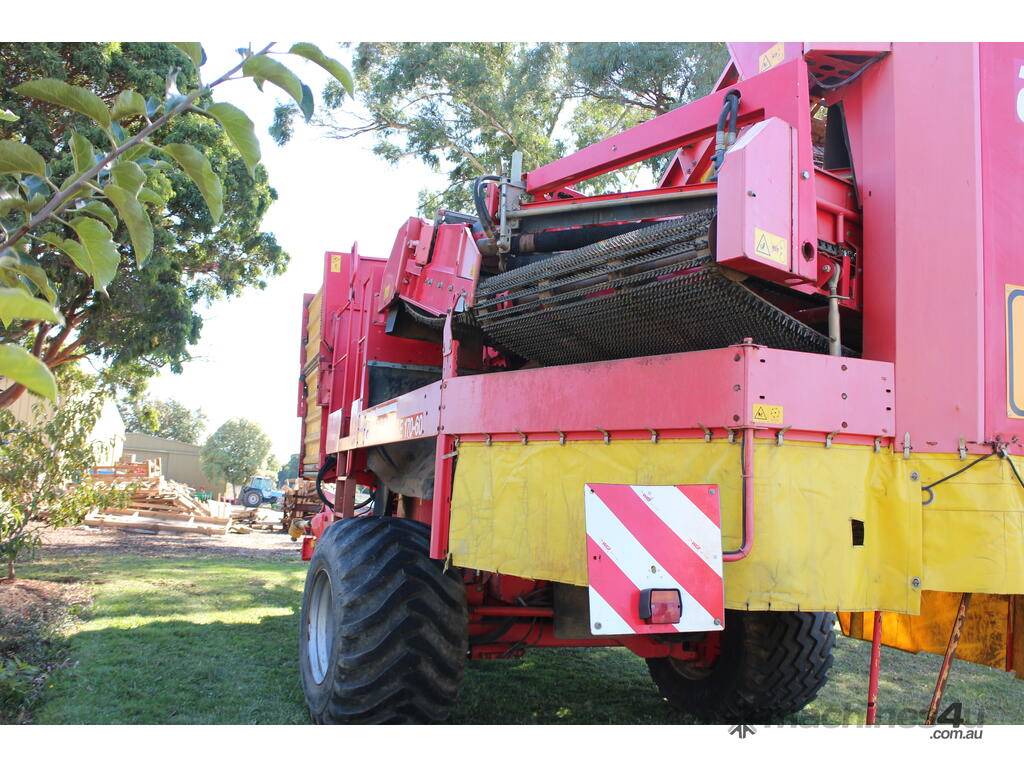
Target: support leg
947 660
876 663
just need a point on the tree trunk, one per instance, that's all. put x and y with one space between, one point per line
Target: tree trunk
10 569
11 394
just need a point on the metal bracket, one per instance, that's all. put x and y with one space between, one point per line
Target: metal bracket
487 440
654 435
828 438
525 439
707 432
779 434
878 444
963 450
455 450
732 435
607 437
561 437
907 447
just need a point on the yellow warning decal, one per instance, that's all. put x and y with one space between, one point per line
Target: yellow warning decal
387 292
1015 351
767 414
772 57
335 262
771 247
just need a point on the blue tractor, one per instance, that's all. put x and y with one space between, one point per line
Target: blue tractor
259 490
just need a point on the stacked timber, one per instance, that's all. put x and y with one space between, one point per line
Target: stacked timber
300 501
153 503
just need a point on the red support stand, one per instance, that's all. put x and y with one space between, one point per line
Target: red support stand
876 662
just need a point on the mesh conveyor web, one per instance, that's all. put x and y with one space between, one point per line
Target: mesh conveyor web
654 291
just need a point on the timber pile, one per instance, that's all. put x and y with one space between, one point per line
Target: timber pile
155 503
300 501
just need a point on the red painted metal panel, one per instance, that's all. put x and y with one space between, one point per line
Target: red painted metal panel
1002 156
918 164
753 58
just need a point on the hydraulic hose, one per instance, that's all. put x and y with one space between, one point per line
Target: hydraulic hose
481 207
726 138
329 463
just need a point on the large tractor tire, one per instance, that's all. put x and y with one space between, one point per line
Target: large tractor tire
383 635
771 664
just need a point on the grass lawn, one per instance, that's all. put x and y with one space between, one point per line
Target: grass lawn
213 640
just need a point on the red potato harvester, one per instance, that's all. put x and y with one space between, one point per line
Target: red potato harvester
696 421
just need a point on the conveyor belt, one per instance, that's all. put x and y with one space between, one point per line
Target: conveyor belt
654 291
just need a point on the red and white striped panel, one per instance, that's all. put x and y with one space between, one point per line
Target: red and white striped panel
653 536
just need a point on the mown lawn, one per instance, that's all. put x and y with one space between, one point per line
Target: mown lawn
189 640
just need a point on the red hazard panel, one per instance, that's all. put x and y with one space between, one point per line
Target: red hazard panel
645 545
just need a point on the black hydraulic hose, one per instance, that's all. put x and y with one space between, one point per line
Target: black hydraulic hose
329 463
725 138
481 207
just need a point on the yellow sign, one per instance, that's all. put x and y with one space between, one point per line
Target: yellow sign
772 57
771 247
335 262
1015 351
767 414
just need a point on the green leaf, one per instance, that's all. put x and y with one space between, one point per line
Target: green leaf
198 168
7 116
128 103
15 303
31 270
20 366
335 67
128 176
307 102
135 218
266 68
100 211
8 204
194 51
16 157
69 96
147 195
94 253
239 129
83 152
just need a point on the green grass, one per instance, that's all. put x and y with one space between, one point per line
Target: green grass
214 640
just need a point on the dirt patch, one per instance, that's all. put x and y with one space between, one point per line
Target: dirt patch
39 600
84 541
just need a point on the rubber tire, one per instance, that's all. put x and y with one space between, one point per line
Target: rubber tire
772 664
252 499
398 626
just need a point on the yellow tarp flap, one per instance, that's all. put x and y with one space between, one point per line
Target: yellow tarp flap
974 527
518 510
984 639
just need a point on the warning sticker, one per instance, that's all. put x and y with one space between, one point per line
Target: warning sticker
335 262
767 414
771 57
771 247
1015 351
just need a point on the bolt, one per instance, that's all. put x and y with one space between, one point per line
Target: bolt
751 193
654 569
915 583
844 395
711 491
597 625
614 147
718 622
735 387
735 417
827 268
915 476
805 175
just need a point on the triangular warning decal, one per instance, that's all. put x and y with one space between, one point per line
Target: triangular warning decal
762 247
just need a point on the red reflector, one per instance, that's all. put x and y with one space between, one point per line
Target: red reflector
307 547
661 606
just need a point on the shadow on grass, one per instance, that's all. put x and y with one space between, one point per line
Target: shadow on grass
181 672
